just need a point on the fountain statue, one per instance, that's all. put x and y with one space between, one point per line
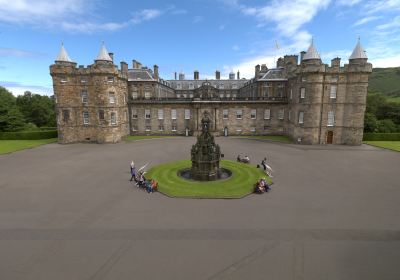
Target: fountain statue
205 154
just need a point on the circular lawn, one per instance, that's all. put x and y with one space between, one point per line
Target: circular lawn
240 184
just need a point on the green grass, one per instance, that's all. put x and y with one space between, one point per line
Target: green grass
142 137
240 184
9 146
391 145
394 99
275 138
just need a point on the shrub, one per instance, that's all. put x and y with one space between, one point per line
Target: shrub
28 135
381 137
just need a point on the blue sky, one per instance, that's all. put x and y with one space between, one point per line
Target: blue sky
202 35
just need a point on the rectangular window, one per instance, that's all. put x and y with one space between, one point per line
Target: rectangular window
84 96
191 86
173 114
178 86
134 95
85 117
187 114
239 114
65 115
111 96
113 118
134 114
134 128
101 115
331 118
225 114
147 114
83 80
334 79
147 94
333 91
173 128
148 128
191 95
239 130
63 79
267 114
252 129
303 79
302 93
221 95
281 114
228 95
110 79
234 86
253 114
161 128
221 86
301 117
160 114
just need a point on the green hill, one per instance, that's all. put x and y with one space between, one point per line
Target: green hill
386 81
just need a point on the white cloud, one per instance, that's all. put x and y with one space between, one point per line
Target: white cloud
365 20
19 89
18 53
376 6
348 2
145 15
392 24
383 62
90 27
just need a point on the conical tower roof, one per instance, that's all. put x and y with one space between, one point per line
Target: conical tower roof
358 51
63 55
103 54
311 52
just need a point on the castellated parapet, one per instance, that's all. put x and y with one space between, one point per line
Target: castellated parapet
307 100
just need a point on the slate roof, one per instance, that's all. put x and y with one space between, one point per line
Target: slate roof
103 54
311 53
63 55
139 74
358 52
276 74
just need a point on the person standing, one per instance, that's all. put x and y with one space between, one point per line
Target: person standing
264 164
133 171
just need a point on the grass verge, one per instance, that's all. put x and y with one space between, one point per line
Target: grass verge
275 138
9 146
142 137
240 184
391 145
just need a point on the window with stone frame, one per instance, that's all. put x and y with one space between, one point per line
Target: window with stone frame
253 114
239 114
174 127
290 115
252 129
302 93
173 114
267 114
228 95
85 117
187 114
134 113
134 128
65 114
101 115
84 96
331 118
148 128
113 118
225 114
160 128
111 96
234 86
147 114
301 117
281 88
281 114
160 114
63 79
334 79
110 79
134 94
147 94
191 86
178 86
239 130
83 80
333 91
221 86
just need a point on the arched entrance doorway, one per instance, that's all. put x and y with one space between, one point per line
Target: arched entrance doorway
329 137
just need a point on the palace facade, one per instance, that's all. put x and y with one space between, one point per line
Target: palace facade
311 102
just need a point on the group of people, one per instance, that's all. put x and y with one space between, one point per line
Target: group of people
262 186
140 181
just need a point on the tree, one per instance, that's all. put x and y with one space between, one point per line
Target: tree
37 109
11 118
370 123
386 126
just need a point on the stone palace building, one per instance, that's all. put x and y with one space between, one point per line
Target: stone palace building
311 102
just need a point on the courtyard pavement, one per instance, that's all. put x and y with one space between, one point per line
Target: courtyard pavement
70 212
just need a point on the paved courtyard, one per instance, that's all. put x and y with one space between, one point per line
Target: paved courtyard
70 212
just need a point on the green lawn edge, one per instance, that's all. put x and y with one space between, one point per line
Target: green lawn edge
11 146
239 185
272 138
388 145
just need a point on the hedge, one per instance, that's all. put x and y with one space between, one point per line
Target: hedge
381 137
28 135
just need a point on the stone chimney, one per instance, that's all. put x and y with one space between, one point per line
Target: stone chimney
217 75
302 53
257 71
124 67
175 75
111 55
238 75
156 72
335 62
196 75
